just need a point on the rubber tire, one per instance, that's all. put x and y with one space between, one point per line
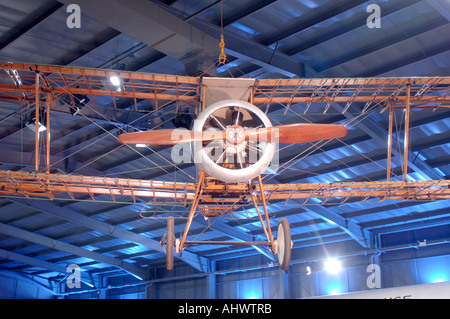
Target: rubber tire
284 244
170 243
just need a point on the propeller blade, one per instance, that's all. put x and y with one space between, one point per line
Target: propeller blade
290 133
168 137
299 133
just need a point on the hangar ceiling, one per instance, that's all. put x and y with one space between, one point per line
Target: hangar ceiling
264 39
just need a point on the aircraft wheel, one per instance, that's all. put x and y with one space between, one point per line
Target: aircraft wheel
170 243
284 244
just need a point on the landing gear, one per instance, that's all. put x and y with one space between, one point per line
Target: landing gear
281 247
283 244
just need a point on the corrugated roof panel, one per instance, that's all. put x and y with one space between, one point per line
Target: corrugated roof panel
52 33
379 63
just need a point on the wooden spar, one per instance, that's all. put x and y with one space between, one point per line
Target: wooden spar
15 183
406 142
389 159
263 198
203 97
36 145
238 243
193 208
47 158
159 87
99 72
259 215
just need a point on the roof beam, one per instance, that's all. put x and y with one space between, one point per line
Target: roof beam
190 42
85 48
29 22
193 260
253 52
329 11
27 159
361 235
410 58
387 8
441 6
384 43
21 276
158 28
245 10
40 264
16 232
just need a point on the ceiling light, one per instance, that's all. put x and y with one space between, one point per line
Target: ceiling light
32 126
423 243
136 276
14 75
334 291
115 81
87 283
333 266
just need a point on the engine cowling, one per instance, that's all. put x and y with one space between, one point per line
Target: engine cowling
235 158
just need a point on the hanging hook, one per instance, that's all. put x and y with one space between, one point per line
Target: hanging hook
222 55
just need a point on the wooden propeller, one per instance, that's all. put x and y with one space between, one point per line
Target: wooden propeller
168 137
299 133
290 133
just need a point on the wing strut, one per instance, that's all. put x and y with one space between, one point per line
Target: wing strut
268 230
197 196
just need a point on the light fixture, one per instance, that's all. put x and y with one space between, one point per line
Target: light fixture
136 276
87 283
334 291
14 75
141 145
308 270
31 124
333 266
116 82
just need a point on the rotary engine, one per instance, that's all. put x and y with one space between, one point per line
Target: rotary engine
237 156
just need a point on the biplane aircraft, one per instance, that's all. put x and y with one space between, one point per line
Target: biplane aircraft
232 141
